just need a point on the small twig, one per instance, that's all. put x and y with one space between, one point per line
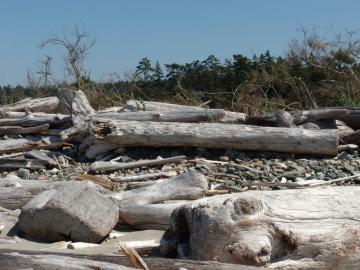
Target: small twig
133 256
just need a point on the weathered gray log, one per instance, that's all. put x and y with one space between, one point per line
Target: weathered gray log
22 130
18 260
137 105
213 135
15 192
314 228
353 138
77 104
209 115
47 104
352 119
187 186
300 117
37 120
15 163
148 217
15 260
29 143
76 211
107 166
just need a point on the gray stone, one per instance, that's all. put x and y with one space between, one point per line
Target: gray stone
224 158
24 173
77 211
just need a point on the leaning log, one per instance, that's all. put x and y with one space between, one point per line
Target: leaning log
137 105
213 135
272 228
47 104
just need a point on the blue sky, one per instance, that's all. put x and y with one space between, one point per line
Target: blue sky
164 30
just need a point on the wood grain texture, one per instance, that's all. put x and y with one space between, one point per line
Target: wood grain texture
316 228
214 135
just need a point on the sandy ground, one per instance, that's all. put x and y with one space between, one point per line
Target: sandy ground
107 247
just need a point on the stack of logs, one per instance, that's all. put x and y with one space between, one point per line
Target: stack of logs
272 229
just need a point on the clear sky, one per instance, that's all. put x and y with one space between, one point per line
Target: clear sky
164 30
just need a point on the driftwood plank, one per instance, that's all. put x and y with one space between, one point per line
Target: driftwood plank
214 135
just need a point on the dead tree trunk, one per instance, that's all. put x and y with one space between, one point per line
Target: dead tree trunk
316 228
212 135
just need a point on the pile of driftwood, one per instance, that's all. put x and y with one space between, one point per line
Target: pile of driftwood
273 229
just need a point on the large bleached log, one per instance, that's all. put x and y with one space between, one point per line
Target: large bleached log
47 104
212 115
316 228
300 117
107 166
137 105
15 260
213 135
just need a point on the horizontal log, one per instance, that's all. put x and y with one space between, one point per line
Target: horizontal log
214 135
137 105
209 115
271 228
20 261
37 120
16 163
107 166
22 130
299 117
47 104
26 144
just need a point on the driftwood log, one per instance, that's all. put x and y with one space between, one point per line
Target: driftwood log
15 260
48 104
137 105
300 117
316 228
210 115
214 135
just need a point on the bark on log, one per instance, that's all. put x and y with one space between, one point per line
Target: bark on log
300 117
137 105
20 261
48 104
203 115
211 135
316 228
